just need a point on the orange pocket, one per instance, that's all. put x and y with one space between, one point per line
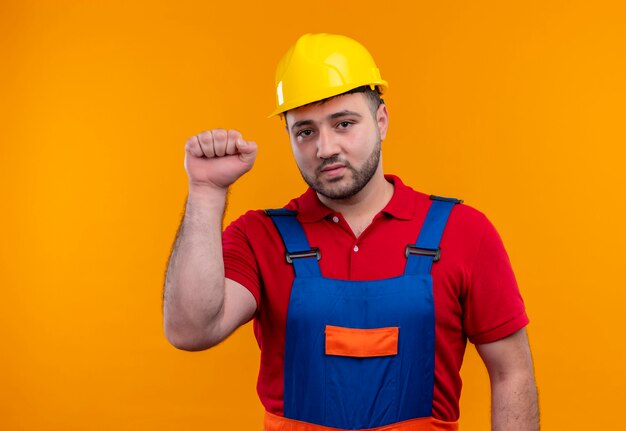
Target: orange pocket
361 343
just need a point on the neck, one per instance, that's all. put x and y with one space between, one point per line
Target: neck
366 203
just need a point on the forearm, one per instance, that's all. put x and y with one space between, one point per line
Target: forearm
194 283
514 404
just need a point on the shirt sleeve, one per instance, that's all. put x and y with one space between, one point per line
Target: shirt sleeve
240 265
494 308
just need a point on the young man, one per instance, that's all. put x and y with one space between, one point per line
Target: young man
363 291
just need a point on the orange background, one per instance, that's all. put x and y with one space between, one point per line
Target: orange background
517 107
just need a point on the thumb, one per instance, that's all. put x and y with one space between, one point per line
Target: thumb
246 149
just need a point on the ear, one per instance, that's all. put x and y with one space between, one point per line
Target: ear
382 120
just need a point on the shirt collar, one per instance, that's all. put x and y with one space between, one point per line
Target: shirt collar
401 205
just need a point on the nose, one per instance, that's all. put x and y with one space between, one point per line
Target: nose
327 145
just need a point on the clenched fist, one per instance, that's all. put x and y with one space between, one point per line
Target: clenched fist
217 158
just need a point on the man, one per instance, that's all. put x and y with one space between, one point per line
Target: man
363 291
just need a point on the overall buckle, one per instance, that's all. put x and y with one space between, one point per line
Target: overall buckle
314 252
444 199
418 251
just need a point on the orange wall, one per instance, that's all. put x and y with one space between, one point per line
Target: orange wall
518 107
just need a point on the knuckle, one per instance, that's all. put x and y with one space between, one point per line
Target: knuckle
219 134
204 137
234 134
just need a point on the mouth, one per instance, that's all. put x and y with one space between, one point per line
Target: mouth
333 171
333 167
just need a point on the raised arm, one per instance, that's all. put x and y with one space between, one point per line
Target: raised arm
513 391
200 306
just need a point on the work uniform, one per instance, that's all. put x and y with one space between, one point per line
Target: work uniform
349 341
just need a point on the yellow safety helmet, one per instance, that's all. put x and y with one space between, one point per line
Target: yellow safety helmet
323 65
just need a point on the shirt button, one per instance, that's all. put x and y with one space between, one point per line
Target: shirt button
356 248
336 219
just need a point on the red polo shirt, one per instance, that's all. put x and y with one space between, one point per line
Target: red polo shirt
475 292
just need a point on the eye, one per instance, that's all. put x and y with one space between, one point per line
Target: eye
344 124
304 133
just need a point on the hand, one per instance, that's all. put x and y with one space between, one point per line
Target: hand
217 158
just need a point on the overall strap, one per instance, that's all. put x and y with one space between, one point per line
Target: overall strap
422 254
299 253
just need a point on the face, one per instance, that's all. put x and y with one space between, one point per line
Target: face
337 144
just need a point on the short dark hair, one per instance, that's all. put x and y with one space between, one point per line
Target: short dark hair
371 95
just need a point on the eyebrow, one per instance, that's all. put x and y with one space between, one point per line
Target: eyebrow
332 116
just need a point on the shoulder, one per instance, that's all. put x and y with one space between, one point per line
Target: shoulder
250 217
467 231
468 218
256 224
252 225
254 219
465 223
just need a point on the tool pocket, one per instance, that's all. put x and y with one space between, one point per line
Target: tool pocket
361 376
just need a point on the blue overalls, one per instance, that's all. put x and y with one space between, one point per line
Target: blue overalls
360 354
